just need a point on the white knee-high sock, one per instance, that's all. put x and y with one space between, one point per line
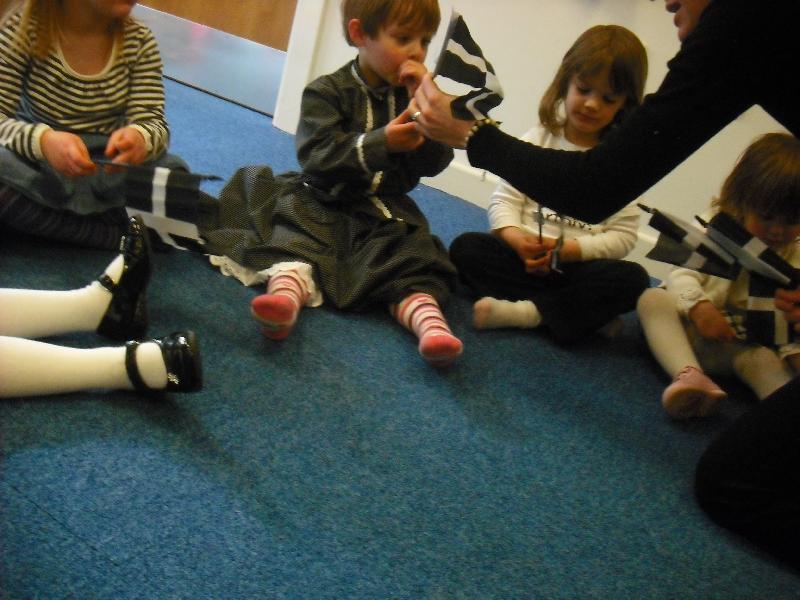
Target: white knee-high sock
32 368
664 330
491 313
41 313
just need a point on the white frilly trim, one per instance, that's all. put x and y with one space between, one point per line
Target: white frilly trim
248 277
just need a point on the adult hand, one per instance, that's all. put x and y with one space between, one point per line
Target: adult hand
436 120
66 153
127 145
789 302
711 323
401 133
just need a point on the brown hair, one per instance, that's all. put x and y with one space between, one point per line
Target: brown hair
599 48
420 15
765 180
39 27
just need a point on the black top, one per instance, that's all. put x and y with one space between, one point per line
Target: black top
742 53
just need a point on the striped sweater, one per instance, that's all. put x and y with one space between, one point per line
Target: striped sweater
39 95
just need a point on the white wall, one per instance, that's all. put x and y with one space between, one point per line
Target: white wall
525 40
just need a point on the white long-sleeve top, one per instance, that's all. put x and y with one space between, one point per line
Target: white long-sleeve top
612 238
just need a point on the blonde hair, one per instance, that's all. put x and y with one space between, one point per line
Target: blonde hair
765 181
38 27
9 10
600 48
420 15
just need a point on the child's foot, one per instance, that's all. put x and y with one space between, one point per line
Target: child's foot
170 363
440 348
491 313
277 310
691 394
126 315
420 313
276 313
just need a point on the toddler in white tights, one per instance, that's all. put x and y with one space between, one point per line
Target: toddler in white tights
685 322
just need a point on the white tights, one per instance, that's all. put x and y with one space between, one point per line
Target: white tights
676 344
32 368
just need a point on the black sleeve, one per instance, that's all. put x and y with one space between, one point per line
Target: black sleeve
711 81
430 159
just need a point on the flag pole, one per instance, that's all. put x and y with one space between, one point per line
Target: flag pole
110 163
450 28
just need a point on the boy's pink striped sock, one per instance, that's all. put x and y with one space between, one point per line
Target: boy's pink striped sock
277 310
421 314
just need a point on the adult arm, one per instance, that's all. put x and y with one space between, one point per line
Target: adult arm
430 159
718 74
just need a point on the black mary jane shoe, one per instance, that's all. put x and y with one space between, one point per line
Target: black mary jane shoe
126 316
181 353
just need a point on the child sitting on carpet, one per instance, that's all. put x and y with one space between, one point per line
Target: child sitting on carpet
685 324
115 307
80 79
600 79
345 229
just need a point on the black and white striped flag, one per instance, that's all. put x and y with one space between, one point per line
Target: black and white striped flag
749 251
169 201
462 60
684 245
765 324
723 250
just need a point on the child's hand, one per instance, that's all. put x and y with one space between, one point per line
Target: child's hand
127 145
539 266
535 255
67 153
711 323
789 302
402 134
410 75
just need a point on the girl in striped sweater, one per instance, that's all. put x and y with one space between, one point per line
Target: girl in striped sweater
79 80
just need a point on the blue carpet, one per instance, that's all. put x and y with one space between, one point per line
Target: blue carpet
337 464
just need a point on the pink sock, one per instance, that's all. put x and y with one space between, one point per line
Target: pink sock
277 310
421 314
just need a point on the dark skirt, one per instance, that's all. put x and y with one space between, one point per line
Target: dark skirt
360 257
